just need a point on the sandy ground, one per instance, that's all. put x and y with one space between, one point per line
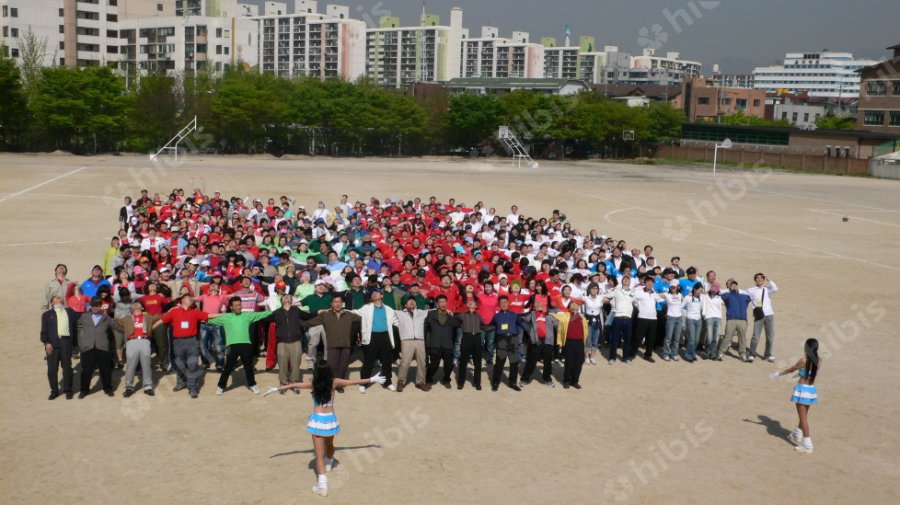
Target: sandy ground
644 433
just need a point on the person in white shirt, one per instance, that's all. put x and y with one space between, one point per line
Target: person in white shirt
411 323
321 212
513 217
645 327
152 242
593 311
673 322
693 308
763 315
622 301
712 317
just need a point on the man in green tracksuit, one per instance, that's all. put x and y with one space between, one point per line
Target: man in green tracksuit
237 338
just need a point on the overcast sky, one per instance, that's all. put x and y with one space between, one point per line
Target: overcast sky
736 34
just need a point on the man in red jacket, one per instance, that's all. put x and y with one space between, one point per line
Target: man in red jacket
185 319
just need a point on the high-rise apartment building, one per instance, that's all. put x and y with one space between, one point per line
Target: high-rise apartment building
308 43
41 17
492 56
398 55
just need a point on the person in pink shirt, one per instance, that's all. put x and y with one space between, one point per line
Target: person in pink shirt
212 338
487 308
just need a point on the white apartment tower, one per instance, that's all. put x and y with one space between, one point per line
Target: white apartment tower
491 56
41 17
307 43
400 55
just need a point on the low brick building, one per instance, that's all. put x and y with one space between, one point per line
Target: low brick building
702 99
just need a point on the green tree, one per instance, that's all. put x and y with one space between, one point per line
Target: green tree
80 109
472 119
33 50
13 106
247 106
741 119
665 122
831 122
152 112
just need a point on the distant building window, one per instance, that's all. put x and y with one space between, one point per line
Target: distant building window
703 100
219 32
756 103
14 52
6 10
873 118
806 117
159 7
794 118
14 13
726 101
218 49
895 118
741 103
876 88
62 28
784 116
896 88
14 32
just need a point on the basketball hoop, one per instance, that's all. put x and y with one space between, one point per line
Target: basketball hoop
627 135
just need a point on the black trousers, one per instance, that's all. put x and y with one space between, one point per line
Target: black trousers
61 356
92 360
507 347
435 356
573 351
378 348
247 353
469 349
645 332
532 356
547 360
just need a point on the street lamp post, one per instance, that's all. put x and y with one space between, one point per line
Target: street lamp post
726 144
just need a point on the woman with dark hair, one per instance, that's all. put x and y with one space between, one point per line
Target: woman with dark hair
323 424
804 393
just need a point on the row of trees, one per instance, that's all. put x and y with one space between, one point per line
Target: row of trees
92 110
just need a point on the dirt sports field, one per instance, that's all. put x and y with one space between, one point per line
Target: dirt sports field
667 433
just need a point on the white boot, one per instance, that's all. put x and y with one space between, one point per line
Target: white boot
796 437
805 447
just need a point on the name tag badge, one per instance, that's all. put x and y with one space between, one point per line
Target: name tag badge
504 326
185 325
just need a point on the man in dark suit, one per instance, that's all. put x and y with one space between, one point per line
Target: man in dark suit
59 325
95 337
440 332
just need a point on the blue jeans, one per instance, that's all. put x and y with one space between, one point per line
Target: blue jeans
457 339
487 340
673 337
693 336
712 335
212 344
594 331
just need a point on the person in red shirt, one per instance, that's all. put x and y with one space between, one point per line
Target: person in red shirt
487 308
153 304
185 319
448 289
517 300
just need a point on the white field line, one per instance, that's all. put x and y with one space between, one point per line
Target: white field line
48 181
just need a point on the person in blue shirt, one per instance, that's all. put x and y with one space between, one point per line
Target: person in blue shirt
736 302
686 284
91 285
508 328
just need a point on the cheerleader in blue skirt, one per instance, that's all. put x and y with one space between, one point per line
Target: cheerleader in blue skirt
804 393
323 424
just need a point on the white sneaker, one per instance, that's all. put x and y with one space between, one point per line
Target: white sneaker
220 391
587 361
675 358
392 388
795 438
771 359
255 389
804 449
666 358
522 384
593 361
321 491
362 390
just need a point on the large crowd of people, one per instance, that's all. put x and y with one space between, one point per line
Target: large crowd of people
197 281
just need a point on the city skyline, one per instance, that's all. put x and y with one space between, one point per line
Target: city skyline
684 26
